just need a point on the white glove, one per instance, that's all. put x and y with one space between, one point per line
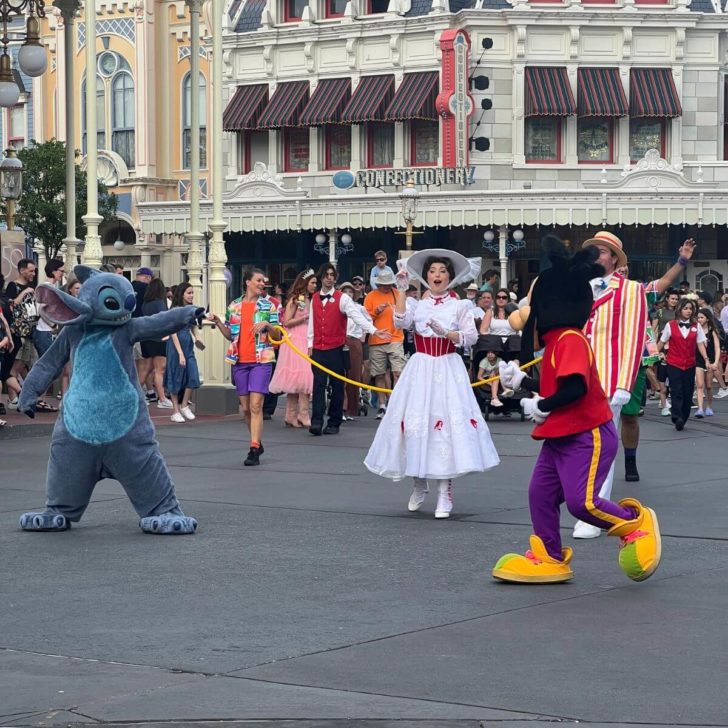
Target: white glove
437 328
620 398
531 410
402 280
511 377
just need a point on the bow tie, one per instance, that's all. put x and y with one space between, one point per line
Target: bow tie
438 299
326 296
684 324
600 283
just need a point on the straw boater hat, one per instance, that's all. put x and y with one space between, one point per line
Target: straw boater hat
611 241
472 287
465 269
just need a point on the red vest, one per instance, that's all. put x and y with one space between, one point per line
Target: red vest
681 353
329 324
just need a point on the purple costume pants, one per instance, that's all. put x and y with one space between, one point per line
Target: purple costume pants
571 470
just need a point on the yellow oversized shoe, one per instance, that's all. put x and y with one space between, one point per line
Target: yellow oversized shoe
536 567
641 547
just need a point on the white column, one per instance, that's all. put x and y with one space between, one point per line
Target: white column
146 98
68 9
332 246
502 254
215 369
92 253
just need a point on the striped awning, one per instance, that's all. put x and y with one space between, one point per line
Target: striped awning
245 107
285 106
548 92
327 103
653 93
371 99
415 98
601 93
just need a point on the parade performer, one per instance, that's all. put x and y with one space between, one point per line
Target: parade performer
433 428
616 329
574 418
104 429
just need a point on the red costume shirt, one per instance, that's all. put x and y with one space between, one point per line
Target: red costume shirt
567 353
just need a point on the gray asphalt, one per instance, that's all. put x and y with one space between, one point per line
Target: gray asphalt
310 594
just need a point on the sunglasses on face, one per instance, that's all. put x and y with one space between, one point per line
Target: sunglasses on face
502 297
380 260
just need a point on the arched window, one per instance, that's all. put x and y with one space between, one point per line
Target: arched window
122 117
187 121
100 114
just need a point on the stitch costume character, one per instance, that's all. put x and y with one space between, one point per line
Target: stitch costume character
574 419
104 429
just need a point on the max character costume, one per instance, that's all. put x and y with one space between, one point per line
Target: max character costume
574 419
104 430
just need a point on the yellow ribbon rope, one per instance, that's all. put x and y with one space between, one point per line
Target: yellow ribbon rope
286 339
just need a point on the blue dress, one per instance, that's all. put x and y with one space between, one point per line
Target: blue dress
177 378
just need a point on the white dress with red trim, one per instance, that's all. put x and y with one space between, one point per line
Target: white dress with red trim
433 427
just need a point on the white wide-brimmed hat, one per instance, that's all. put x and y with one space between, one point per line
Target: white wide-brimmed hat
466 269
472 287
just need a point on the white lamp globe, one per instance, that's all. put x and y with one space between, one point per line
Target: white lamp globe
489 236
346 238
9 93
32 59
119 244
320 238
518 235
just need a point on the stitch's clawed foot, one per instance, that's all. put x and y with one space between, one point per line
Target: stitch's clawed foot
44 521
168 524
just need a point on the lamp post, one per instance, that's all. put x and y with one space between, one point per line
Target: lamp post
504 247
410 196
332 245
11 183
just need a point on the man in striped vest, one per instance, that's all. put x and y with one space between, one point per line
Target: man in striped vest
616 331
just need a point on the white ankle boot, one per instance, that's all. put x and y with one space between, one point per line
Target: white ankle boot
419 494
444 499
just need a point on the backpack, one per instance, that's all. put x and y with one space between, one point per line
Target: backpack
25 318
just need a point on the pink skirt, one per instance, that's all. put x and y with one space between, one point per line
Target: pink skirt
293 375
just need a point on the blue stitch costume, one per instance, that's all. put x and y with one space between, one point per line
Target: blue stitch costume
104 429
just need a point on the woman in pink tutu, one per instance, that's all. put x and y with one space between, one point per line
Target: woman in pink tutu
293 375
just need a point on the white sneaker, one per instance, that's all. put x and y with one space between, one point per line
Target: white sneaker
417 498
177 417
722 392
665 411
586 530
165 404
187 413
444 503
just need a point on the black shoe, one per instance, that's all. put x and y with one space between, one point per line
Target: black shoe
316 430
630 470
261 449
679 424
266 416
253 456
331 430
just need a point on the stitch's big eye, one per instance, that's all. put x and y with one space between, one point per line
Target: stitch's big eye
111 303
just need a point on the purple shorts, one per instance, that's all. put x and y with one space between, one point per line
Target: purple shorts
249 378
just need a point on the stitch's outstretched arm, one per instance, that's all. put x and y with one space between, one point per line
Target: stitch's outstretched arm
45 371
151 328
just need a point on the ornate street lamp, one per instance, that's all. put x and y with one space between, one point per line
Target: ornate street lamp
333 246
11 183
32 57
504 247
410 196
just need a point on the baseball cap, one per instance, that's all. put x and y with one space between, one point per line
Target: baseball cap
145 272
357 278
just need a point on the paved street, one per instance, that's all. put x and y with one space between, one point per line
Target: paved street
310 593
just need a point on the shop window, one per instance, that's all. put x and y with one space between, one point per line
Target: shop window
293 10
335 8
595 140
295 150
646 134
338 147
377 7
424 143
16 126
122 118
651 2
187 122
252 147
380 145
543 139
100 114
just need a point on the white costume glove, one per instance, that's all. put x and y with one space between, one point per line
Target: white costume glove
511 377
620 398
402 280
437 328
531 410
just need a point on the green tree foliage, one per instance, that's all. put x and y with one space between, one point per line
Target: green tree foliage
41 210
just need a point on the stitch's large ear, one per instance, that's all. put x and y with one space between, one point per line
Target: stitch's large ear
83 272
59 308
